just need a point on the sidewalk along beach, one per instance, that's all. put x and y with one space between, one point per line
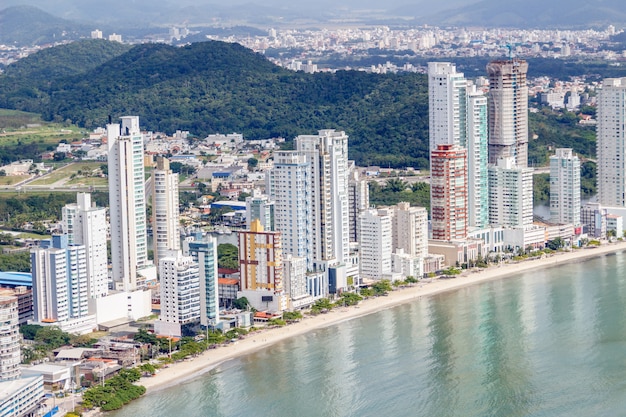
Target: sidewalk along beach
211 358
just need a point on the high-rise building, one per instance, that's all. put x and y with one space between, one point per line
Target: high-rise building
359 200
327 156
477 157
448 189
510 194
85 224
508 111
295 281
180 293
611 143
291 191
127 202
458 116
165 217
9 339
261 268
203 250
375 246
260 206
410 230
565 187
446 105
60 290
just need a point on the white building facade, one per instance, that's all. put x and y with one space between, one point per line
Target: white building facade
510 194
165 209
611 142
375 247
127 202
86 225
565 187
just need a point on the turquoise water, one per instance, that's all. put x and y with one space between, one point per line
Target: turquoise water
546 343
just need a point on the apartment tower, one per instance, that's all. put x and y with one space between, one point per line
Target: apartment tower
165 211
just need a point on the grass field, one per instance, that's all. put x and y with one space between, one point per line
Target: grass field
20 128
13 179
67 171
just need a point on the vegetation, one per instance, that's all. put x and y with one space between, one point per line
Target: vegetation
116 392
396 190
48 338
210 87
227 256
17 262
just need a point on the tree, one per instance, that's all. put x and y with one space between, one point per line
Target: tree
291 316
382 287
395 185
227 256
52 336
241 303
555 244
58 156
3 173
252 164
29 331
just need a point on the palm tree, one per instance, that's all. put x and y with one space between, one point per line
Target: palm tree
395 185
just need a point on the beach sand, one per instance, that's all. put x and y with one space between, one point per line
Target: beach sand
185 370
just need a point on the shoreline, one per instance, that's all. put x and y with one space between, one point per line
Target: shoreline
212 358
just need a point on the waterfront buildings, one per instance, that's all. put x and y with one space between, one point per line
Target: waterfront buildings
85 224
508 111
180 293
165 217
127 202
448 189
565 187
510 194
458 116
327 157
203 250
410 230
375 246
291 190
611 142
261 268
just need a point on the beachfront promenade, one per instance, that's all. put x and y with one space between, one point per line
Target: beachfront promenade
181 371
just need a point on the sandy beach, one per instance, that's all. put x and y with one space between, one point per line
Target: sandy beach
210 359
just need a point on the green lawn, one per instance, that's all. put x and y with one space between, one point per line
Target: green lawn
72 169
13 179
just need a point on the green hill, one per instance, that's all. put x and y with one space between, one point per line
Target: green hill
27 25
213 87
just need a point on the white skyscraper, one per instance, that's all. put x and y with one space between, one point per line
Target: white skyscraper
165 217
510 194
85 224
375 246
565 187
203 250
127 201
611 143
260 206
446 105
60 290
180 293
291 191
327 156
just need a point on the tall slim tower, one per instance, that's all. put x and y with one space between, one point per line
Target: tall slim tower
611 142
508 111
565 187
327 155
203 250
127 201
85 224
165 218
448 183
410 229
446 105
291 191
359 200
477 157
375 247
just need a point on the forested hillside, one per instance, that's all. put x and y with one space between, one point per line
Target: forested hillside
213 87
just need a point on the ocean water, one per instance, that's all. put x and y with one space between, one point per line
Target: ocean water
546 343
